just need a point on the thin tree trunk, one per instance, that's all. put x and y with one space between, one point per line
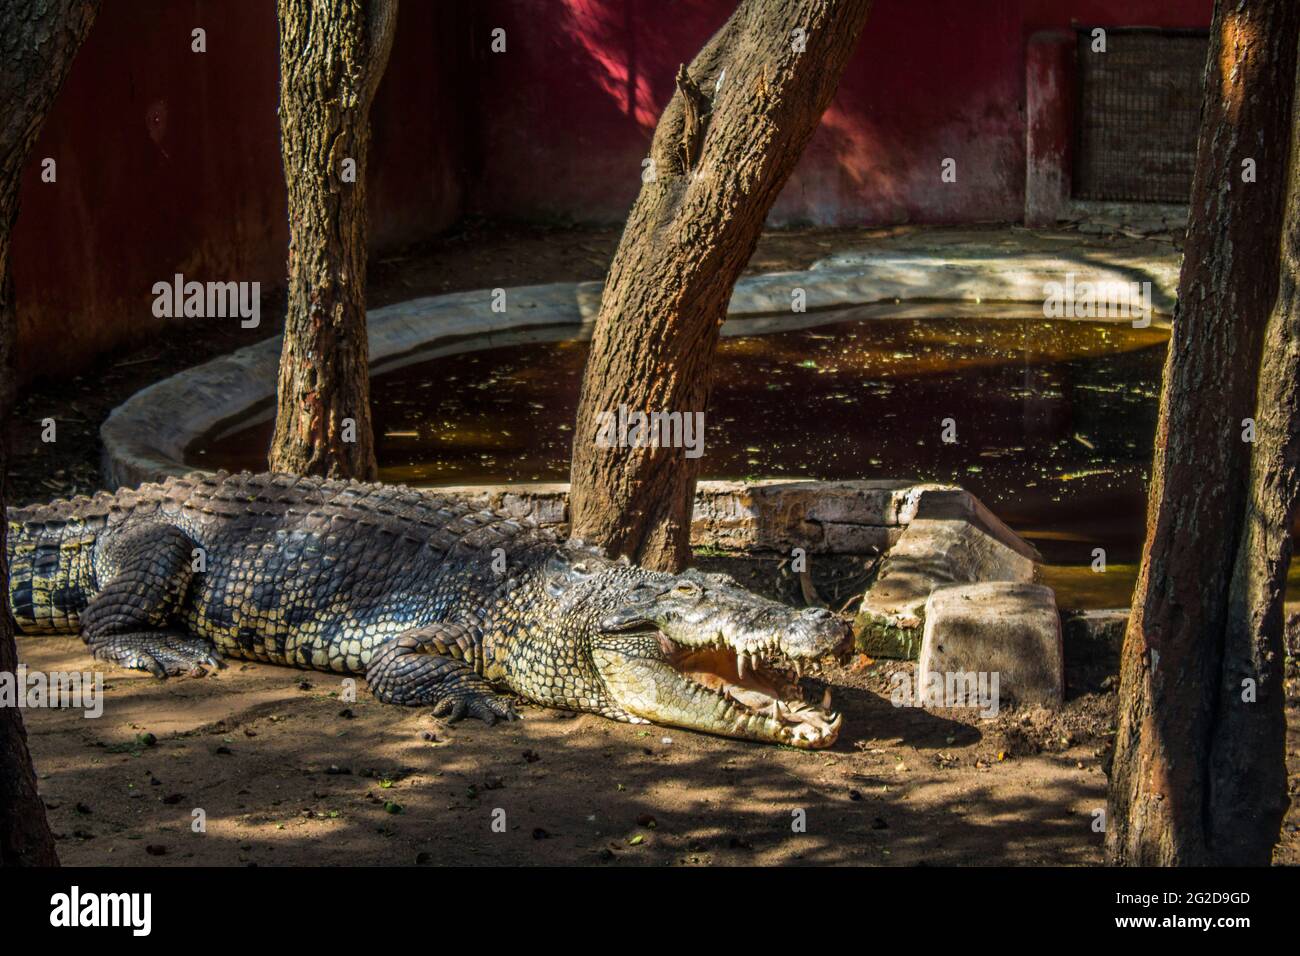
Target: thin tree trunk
332 56
725 145
1178 664
37 47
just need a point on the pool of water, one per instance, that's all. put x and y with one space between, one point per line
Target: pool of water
1054 420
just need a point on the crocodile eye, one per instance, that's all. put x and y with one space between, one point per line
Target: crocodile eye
686 589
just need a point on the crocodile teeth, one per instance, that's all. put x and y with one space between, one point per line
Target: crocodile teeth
826 699
740 664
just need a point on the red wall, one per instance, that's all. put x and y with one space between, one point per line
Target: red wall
168 160
575 98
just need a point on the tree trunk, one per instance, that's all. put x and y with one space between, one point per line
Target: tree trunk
724 147
332 56
36 52
1248 793
1181 713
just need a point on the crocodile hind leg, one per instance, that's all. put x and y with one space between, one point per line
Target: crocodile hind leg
429 666
147 568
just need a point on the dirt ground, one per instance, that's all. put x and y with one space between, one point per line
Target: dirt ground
287 771
289 774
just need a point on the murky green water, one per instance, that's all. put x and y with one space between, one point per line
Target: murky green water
1054 420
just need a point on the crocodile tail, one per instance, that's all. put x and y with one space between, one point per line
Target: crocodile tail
51 547
50 551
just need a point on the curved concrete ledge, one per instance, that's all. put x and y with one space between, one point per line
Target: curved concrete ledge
146 437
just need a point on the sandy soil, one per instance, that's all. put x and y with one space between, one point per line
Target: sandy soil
287 773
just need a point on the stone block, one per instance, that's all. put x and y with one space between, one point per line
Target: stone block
1011 629
952 539
1095 634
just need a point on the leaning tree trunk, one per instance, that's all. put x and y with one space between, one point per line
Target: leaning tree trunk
36 51
1185 652
724 147
332 56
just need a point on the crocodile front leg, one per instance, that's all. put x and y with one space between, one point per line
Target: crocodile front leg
431 666
147 568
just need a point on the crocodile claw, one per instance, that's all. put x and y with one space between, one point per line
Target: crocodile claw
161 653
488 708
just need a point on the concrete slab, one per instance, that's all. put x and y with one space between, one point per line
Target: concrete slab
1097 634
1006 628
952 538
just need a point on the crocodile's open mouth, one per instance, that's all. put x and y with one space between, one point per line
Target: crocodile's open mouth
764 684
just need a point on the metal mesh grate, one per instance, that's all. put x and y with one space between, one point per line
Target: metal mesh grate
1139 113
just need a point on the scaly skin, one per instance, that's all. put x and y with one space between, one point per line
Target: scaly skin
437 604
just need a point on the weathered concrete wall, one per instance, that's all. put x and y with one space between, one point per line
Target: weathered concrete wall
169 161
931 79
1049 127
773 516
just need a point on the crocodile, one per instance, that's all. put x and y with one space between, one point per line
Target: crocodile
435 602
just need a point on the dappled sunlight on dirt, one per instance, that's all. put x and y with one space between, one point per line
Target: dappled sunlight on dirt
285 775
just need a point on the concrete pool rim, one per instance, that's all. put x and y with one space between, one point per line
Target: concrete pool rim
147 437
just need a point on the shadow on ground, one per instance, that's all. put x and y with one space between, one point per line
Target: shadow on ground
287 773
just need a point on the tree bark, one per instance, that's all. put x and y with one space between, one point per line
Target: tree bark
1197 627
332 56
725 145
37 47
1248 791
